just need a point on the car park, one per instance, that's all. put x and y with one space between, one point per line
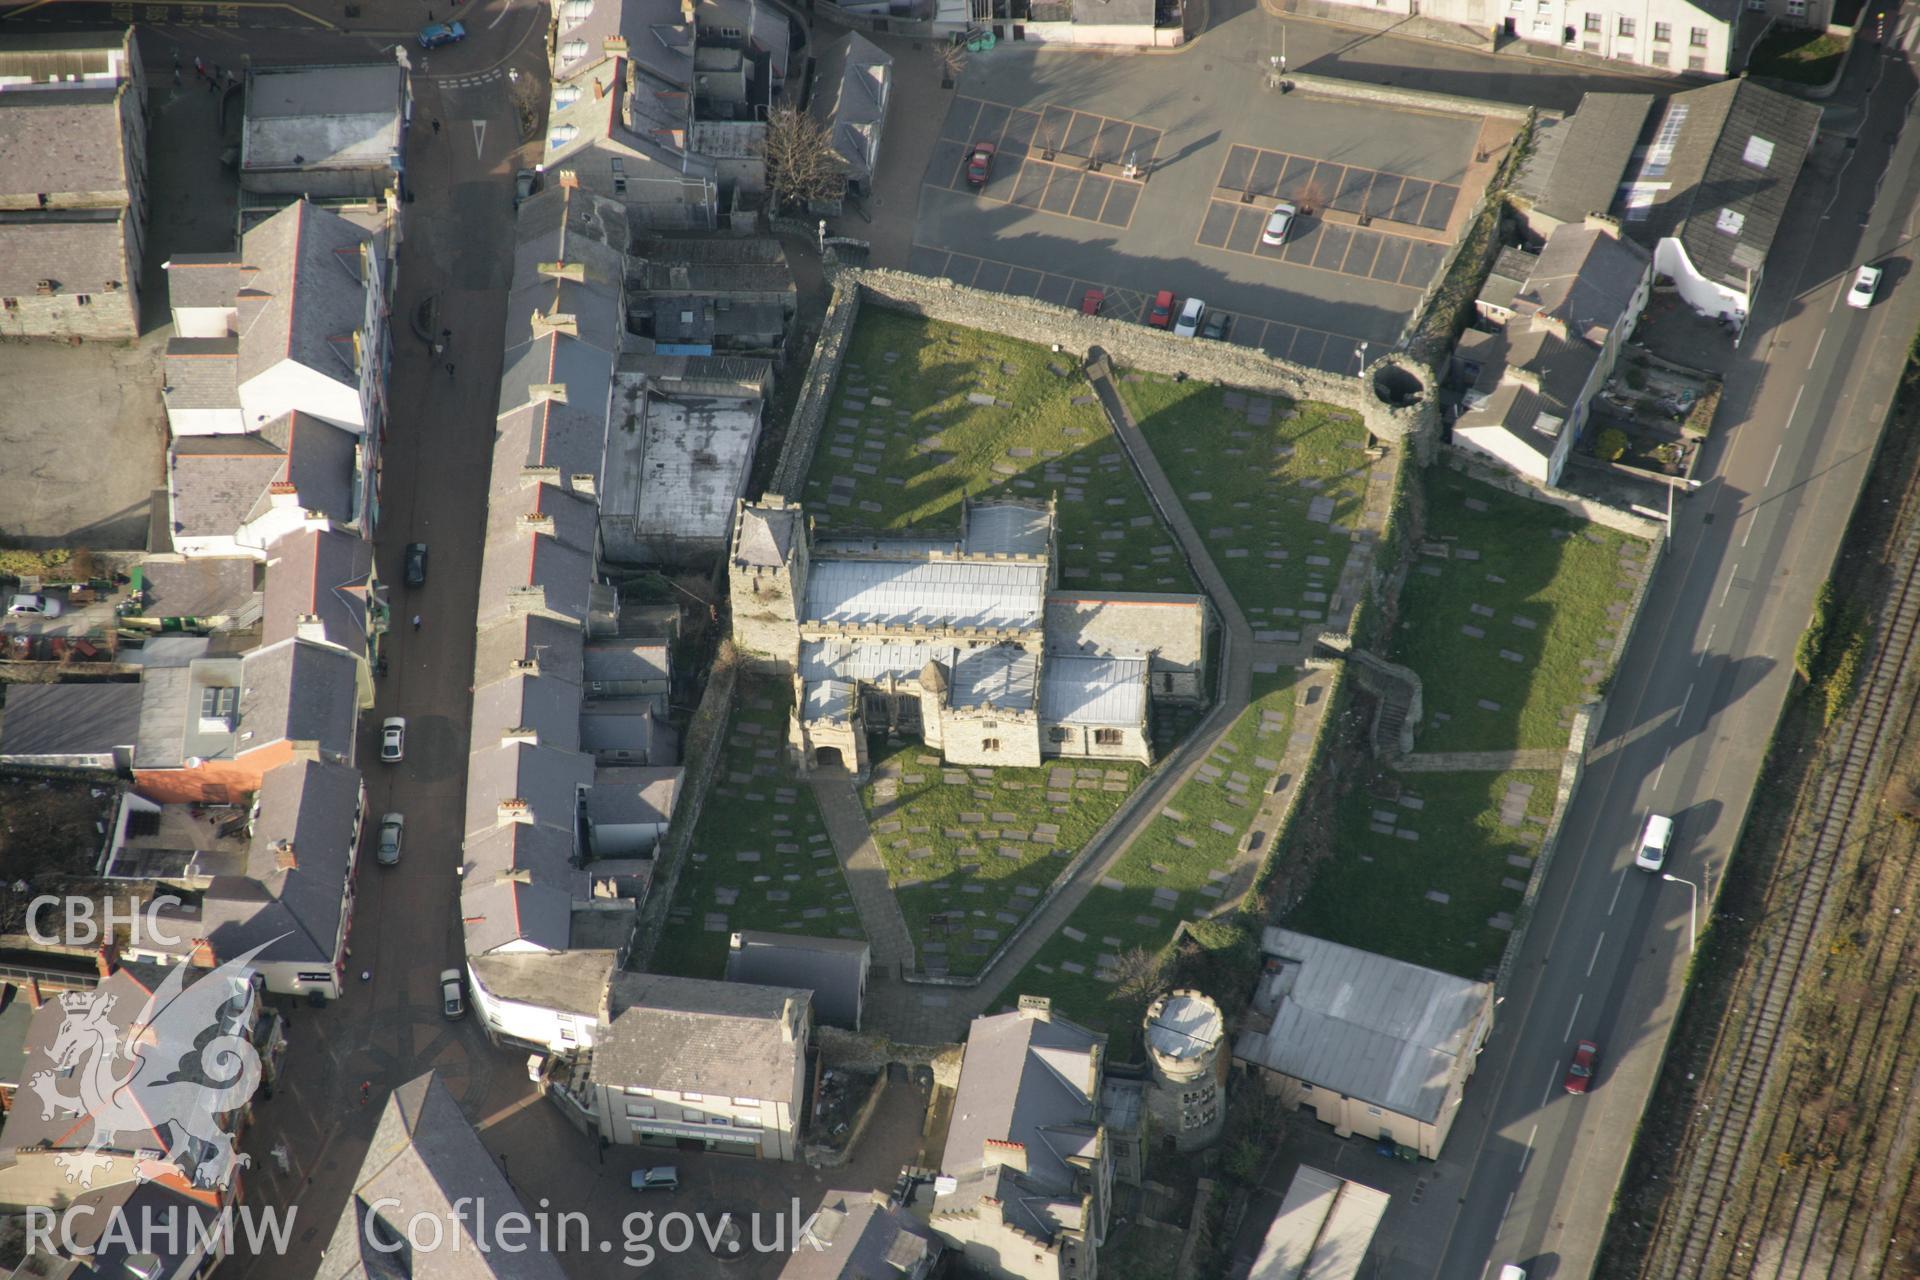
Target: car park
663 1177
980 164
416 564
1091 301
1160 314
1866 283
1279 222
1580 1070
1219 324
393 739
435 34
1651 854
453 1000
392 828
1190 316
34 604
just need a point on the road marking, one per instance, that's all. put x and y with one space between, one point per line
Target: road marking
1677 720
1574 1015
1729 587
1527 1154
1771 465
1815 355
1596 952
1619 884
1796 401
1839 288
1752 520
1662 769
1503 1217
479 136
1553 1082
1706 645
505 9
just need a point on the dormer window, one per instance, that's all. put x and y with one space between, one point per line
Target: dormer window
565 96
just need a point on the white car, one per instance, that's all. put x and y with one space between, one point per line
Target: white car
1279 222
35 605
453 1000
392 828
1866 283
1654 839
1190 317
393 739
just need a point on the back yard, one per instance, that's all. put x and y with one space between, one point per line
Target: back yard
927 413
760 857
1511 616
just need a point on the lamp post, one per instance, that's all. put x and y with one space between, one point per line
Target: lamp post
1693 905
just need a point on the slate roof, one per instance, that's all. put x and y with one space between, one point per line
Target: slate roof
546 704
634 661
862 1238
198 281
555 358
202 373
545 851
834 969
499 912
304 294
855 78
217 479
85 252
309 807
1094 691
570 981
575 227
723 1038
1595 146
662 115
1384 1031
70 720
324 573
1585 278
293 690
1027 1080
202 587
546 777
570 438
426 1159
528 637
62 143
765 537
657 38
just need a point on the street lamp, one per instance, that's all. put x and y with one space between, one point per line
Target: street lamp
1693 905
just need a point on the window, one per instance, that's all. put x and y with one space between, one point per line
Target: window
1698 38
691 1096
746 1102
1593 23
1057 734
565 96
989 744
692 1117
1639 203
1759 152
730 33
1373 1111
619 183
719 1120
566 1034
1663 31
1796 8
639 1092
561 134
1107 737
639 1111
1696 63
1626 27
1756 6
1305 1087
573 12
746 1122
83 299
1660 154
1660 57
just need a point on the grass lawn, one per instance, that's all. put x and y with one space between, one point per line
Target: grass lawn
970 851
908 437
1264 480
1797 54
1183 858
1542 588
1373 893
760 857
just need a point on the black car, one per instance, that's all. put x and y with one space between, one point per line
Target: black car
1217 326
416 564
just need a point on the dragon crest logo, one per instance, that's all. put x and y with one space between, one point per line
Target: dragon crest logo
155 1089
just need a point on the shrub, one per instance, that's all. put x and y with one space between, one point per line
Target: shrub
1807 653
1840 682
1612 445
1636 377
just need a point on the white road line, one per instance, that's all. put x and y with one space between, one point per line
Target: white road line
1816 350
1596 952
1572 1017
1553 1082
479 137
1771 465
1679 719
1618 885
1796 402
505 9
1728 590
1662 769
1527 1154
1752 520
1503 1216
1839 288
1706 645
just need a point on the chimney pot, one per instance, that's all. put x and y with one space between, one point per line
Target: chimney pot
106 959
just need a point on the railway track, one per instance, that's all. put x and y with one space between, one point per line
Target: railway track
1701 1223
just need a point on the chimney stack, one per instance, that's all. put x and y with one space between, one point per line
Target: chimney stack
33 993
203 956
999 1153
106 959
1036 1008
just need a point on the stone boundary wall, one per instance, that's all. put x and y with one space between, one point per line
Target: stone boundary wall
860 1051
1586 508
819 1156
816 393
1375 674
1136 346
706 736
1488 214
1316 754
1418 99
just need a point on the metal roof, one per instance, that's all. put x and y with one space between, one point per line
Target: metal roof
1383 1031
1322 1230
828 700
1109 691
905 593
870 660
1006 529
1000 676
1183 1025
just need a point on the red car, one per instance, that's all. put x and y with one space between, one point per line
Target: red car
980 164
1090 303
1161 314
1580 1071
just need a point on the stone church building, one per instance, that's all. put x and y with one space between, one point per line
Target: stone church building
961 642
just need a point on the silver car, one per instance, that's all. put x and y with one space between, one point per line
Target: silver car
392 828
1279 222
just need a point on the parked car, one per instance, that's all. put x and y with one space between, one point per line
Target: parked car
525 183
980 164
1580 1070
1190 317
1866 283
1279 222
453 998
663 1177
436 34
392 828
35 604
1091 301
1654 839
416 564
1160 315
1218 325
1511 1272
393 739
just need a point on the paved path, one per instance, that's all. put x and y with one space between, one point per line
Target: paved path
846 818
1480 761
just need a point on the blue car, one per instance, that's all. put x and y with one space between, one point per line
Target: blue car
442 33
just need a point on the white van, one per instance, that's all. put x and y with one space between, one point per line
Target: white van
1652 853
1511 1272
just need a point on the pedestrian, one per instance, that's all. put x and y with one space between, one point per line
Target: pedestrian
436 126
366 1091
176 75
216 71
199 67
449 371
416 622
213 86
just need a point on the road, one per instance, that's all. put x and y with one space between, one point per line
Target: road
1695 702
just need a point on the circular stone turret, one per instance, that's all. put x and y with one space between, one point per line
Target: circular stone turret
1397 385
1184 1098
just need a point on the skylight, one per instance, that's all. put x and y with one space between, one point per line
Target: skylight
1759 151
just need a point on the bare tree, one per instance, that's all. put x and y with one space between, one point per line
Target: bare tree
1139 975
802 166
953 60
